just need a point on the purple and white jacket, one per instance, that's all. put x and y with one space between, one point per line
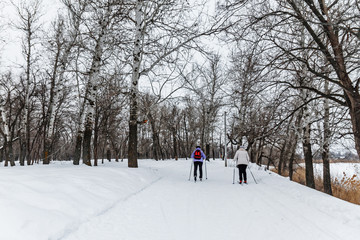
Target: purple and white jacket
203 157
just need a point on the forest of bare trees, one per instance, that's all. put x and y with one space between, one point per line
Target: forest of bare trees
134 79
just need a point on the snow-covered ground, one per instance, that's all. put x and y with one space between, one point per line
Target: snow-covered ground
156 201
337 170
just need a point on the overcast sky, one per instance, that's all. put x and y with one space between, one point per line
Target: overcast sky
10 51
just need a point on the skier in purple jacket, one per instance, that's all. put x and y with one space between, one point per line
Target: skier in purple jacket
199 157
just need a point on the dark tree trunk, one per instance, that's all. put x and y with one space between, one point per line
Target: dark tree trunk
77 152
132 148
155 138
108 154
87 145
281 158
309 170
8 152
292 152
96 148
207 151
47 151
175 143
22 152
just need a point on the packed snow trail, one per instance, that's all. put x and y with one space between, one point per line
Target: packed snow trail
173 208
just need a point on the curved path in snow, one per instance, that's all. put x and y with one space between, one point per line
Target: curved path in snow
173 208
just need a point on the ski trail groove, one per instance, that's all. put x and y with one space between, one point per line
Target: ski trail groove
71 230
291 211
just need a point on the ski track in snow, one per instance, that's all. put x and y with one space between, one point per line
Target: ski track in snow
71 230
173 208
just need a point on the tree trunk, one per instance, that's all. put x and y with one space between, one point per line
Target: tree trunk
108 153
309 170
187 144
90 102
95 141
132 148
87 146
325 152
155 138
78 144
54 98
7 147
175 143
336 59
295 132
281 158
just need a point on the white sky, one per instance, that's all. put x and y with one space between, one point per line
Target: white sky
10 51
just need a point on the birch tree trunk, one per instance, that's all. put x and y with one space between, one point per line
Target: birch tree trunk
306 141
326 150
134 89
7 139
295 132
79 137
24 132
91 97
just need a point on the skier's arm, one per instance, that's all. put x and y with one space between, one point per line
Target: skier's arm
236 156
203 155
247 157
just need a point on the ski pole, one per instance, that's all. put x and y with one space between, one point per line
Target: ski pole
205 170
252 175
250 170
191 169
234 175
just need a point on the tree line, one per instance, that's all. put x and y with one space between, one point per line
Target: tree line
116 79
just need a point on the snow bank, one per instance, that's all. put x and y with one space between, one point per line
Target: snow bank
46 202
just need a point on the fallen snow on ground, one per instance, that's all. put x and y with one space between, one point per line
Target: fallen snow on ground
157 201
337 170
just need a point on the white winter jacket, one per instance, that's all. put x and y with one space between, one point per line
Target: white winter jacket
241 157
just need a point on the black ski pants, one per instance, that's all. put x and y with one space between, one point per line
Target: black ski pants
196 165
242 172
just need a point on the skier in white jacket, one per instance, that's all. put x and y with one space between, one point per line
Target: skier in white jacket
241 159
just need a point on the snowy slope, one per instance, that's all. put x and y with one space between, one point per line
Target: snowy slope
156 201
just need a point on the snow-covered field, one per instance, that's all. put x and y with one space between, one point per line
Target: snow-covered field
337 170
156 201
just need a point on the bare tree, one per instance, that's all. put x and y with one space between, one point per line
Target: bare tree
330 33
101 17
159 34
207 84
29 14
62 43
